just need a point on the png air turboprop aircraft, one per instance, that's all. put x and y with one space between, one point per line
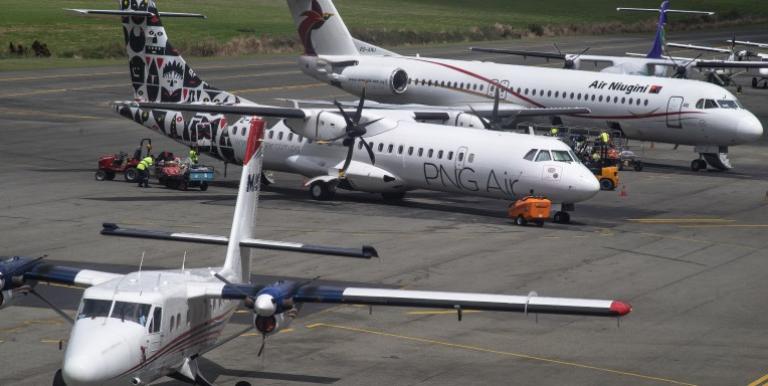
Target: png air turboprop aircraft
644 108
400 153
134 329
724 74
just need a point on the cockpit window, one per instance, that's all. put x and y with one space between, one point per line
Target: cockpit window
573 155
561 156
700 104
543 156
94 308
132 312
726 104
529 156
710 104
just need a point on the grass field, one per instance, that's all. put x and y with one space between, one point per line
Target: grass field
68 35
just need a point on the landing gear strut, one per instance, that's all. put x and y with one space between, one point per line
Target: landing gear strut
322 191
698 164
561 217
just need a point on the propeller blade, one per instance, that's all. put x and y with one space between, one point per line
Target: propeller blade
584 51
348 160
359 111
370 151
557 48
344 114
263 344
495 114
486 124
366 124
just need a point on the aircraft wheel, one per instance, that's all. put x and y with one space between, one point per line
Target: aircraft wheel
393 196
539 223
110 176
754 82
738 89
131 174
606 184
698 164
638 166
58 379
321 191
562 218
100 175
183 185
520 220
203 186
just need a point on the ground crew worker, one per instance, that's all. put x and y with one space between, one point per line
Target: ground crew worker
605 137
143 168
553 132
193 157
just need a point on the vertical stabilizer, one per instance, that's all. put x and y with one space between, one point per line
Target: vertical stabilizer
321 29
158 72
237 266
660 39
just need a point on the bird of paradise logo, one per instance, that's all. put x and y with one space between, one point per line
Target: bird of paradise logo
313 19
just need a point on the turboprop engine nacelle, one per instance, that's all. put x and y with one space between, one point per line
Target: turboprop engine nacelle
377 80
7 298
321 125
270 325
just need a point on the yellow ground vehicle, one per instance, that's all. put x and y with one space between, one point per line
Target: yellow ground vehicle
530 208
608 177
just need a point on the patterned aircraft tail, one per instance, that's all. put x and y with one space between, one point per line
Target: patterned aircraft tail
321 29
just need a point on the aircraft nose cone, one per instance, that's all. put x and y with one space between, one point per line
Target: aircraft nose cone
583 185
749 129
83 370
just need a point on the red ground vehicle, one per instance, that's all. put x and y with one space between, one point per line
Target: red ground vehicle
111 164
530 208
177 175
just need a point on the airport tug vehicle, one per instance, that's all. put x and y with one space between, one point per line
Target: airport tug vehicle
112 164
533 209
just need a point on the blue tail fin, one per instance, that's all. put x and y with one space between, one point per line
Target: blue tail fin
658 42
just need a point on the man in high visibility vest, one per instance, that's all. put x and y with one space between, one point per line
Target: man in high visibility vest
604 137
143 168
193 157
553 132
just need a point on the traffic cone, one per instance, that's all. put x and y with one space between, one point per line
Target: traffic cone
623 192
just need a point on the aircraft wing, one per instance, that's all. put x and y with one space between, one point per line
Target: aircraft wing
549 55
310 293
700 48
78 277
748 43
730 64
239 109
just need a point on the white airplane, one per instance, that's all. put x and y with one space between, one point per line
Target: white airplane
402 154
137 328
762 56
724 75
641 107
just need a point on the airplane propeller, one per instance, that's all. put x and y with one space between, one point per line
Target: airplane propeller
355 130
495 122
570 63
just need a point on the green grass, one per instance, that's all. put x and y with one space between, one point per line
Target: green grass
70 35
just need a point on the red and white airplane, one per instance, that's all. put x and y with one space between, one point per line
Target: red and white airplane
137 328
678 111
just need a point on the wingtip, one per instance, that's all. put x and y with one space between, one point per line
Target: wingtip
369 251
620 308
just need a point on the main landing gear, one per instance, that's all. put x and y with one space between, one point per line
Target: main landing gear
756 82
714 156
322 191
561 217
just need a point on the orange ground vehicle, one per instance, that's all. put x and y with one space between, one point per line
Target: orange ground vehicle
530 208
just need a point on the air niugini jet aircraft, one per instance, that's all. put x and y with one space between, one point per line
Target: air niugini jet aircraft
677 111
137 328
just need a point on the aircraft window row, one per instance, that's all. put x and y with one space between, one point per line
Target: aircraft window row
177 320
419 153
457 85
580 96
299 139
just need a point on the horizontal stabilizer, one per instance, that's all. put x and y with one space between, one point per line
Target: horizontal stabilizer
700 48
365 252
730 64
535 54
748 43
264 111
128 12
708 13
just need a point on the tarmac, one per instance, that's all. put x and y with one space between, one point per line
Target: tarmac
686 249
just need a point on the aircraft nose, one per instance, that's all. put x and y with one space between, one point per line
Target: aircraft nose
749 129
83 371
583 185
96 354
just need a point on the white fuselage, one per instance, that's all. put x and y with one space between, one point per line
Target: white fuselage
439 158
108 346
644 108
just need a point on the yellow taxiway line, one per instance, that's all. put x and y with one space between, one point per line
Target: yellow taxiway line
497 352
680 220
760 381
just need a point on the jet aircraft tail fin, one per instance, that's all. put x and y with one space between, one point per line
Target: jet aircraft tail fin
237 265
321 29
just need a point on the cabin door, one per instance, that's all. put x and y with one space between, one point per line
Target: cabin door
674 109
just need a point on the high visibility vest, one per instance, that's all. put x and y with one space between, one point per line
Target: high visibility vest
604 137
141 166
193 156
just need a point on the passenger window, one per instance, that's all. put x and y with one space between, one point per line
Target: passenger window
400 149
526 91
171 326
710 104
280 136
543 156
450 155
242 132
646 102
429 153
461 157
439 154
390 148
271 134
290 137
421 151
471 157
529 156
360 145
623 100
381 147
410 150
600 99
178 320
557 94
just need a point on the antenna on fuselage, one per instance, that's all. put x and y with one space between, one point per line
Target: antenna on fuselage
141 262
183 261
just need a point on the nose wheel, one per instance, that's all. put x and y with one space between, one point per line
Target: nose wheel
561 217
